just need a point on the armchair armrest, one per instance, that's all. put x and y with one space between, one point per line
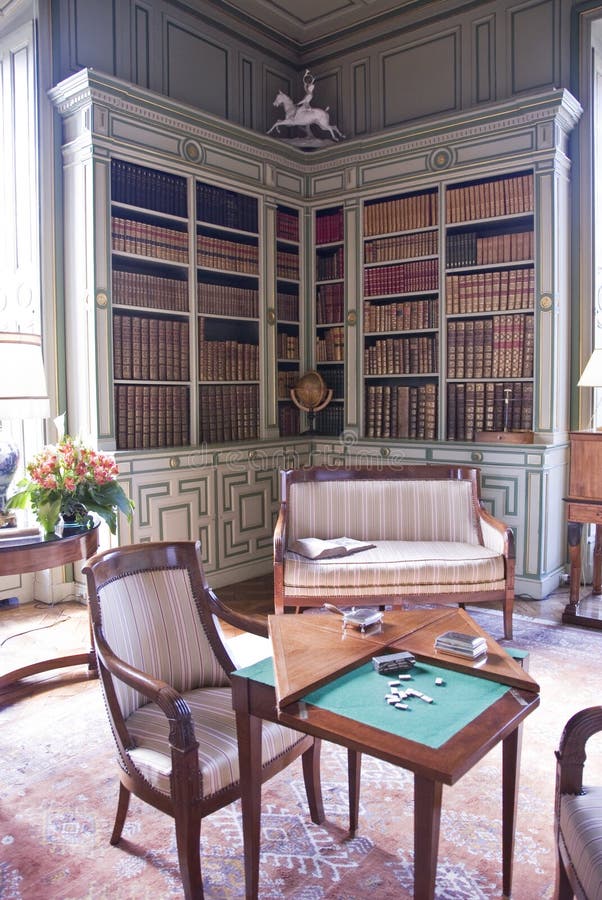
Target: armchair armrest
171 703
496 535
280 543
570 756
238 620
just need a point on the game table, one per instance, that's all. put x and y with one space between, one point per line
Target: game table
320 681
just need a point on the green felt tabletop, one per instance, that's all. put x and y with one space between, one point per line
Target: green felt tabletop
360 695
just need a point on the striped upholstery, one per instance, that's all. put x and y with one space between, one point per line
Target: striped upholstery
580 822
372 510
403 563
165 639
215 730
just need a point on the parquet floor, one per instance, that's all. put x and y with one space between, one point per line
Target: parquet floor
35 631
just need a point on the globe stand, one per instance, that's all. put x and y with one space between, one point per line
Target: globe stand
311 395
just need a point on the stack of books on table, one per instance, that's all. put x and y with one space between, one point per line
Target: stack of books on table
460 644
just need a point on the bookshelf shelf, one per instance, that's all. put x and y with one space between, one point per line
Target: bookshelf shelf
288 331
489 306
401 315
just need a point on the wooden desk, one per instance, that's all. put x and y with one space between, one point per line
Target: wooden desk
255 697
34 555
584 506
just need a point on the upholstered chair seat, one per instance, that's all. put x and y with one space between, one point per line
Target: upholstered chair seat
215 730
165 674
578 812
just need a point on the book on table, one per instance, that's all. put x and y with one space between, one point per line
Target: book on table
461 644
319 548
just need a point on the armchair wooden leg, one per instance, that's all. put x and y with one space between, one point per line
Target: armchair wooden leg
508 610
188 840
122 809
313 785
564 890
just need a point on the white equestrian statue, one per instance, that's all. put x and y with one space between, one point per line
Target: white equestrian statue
301 114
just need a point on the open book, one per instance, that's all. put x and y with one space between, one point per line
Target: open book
317 548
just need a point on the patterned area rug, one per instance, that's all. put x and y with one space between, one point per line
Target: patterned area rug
59 788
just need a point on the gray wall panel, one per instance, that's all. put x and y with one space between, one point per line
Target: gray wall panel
483 86
196 70
361 114
141 40
532 56
420 80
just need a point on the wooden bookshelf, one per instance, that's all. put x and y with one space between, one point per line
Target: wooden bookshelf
401 315
150 318
288 338
329 236
227 265
489 306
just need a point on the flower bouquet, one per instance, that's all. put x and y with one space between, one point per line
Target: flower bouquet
71 480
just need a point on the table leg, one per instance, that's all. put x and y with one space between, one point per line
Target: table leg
510 764
597 575
354 769
249 747
574 540
427 821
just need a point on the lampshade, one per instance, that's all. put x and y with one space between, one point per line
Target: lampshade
23 392
592 374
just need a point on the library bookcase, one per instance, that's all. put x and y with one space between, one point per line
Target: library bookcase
422 271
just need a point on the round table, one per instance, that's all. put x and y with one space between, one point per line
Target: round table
33 554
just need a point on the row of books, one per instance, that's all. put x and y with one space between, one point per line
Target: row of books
490 199
226 208
401 213
148 188
287 225
330 265
221 253
150 416
150 349
228 300
287 306
330 226
228 412
330 420
145 239
287 346
334 378
228 361
406 315
402 246
470 249
401 411
418 354
286 380
151 291
488 406
330 303
287 264
494 291
402 278
289 420
501 347
331 347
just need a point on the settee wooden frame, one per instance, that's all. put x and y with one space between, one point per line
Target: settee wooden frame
381 472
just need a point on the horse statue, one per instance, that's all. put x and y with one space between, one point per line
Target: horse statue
302 115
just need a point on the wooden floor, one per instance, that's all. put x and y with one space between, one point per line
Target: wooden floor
35 631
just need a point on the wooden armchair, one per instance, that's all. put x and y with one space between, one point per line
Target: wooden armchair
578 812
165 676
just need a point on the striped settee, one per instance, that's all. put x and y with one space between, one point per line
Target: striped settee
433 541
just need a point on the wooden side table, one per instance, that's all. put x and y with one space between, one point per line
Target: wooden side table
584 506
34 555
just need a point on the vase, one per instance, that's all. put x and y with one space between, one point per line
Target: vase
48 523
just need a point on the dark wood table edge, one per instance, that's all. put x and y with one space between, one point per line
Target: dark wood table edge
35 556
261 698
